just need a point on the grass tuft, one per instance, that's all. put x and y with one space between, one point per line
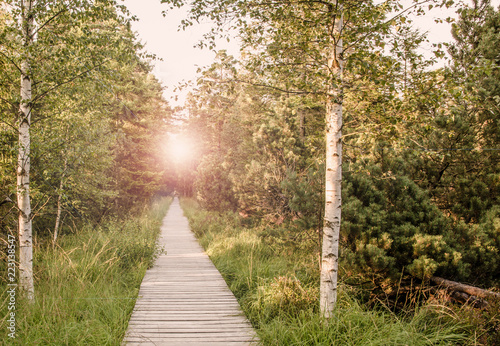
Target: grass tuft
86 285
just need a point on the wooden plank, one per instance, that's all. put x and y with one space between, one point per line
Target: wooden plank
191 324
192 343
187 308
201 339
174 326
199 334
166 337
180 314
157 320
142 341
183 299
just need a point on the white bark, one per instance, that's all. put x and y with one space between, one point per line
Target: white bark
333 198
23 165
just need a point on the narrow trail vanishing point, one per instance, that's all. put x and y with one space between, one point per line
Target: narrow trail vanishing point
183 299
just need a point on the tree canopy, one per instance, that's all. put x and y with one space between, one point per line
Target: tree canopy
420 143
87 117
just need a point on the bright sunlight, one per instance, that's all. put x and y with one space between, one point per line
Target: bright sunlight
180 148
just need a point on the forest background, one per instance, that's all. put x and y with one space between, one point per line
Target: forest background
421 144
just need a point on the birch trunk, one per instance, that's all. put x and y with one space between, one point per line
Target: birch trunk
23 162
333 198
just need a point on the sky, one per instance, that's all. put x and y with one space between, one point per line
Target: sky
180 59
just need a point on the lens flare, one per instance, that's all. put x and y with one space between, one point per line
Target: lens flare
180 148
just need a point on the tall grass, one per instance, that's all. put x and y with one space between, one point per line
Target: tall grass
277 284
87 284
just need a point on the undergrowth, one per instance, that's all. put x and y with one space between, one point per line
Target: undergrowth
87 283
277 284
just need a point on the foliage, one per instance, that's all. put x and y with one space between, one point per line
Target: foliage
391 224
419 173
97 115
476 110
142 121
213 186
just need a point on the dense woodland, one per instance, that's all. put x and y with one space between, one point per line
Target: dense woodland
421 155
420 139
96 115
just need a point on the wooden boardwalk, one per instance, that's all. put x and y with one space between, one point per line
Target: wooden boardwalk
183 299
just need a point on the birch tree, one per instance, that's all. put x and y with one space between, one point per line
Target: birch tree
333 177
49 45
299 47
23 161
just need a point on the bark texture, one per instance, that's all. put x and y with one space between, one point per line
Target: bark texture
59 199
23 162
470 290
333 198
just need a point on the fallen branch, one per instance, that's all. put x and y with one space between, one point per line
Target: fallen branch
470 290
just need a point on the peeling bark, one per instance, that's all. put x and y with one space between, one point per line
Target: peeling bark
333 198
23 162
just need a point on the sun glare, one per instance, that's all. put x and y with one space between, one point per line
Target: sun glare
180 148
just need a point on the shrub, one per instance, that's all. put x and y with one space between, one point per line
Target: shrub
390 225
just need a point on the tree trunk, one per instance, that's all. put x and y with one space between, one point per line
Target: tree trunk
59 200
23 162
302 132
333 198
